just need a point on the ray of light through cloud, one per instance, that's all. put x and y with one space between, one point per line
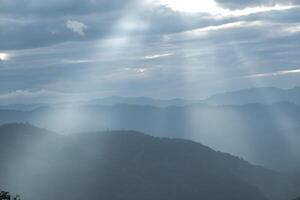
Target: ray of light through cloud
247 64
150 57
169 49
105 56
4 56
293 29
212 8
277 73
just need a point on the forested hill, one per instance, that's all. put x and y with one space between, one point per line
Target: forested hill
127 165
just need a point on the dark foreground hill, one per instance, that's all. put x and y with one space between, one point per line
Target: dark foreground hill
122 165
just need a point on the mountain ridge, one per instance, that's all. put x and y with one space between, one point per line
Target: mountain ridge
132 161
262 130
263 95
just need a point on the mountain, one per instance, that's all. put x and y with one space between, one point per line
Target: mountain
22 107
113 100
37 163
267 95
267 135
107 101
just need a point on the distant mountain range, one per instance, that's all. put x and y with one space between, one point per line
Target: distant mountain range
266 95
122 165
264 134
23 107
143 101
107 101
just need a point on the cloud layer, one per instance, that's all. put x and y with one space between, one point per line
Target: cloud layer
240 4
76 27
144 48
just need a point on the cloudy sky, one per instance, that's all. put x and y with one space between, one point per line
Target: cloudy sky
84 49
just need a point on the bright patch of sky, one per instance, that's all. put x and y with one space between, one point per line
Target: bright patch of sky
212 8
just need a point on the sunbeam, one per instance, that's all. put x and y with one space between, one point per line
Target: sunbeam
212 8
4 56
151 99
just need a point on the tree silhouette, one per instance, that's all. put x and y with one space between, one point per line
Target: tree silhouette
6 196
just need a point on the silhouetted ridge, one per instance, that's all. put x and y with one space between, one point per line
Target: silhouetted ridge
21 127
125 165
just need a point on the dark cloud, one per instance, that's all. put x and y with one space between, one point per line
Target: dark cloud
88 47
36 31
40 33
31 24
36 23
60 7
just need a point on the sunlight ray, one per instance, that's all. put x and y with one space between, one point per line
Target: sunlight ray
212 8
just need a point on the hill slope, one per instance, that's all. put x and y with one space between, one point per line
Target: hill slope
127 165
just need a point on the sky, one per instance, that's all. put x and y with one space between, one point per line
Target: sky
69 50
